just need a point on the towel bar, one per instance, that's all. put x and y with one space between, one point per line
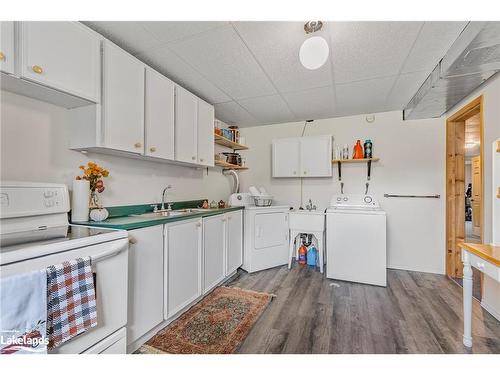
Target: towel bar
411 196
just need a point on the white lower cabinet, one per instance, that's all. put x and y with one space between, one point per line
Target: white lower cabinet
214 243
145 289
234 247
183 265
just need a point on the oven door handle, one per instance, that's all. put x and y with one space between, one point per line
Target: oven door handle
107 254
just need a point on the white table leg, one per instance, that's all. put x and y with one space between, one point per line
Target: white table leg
467 281
291 254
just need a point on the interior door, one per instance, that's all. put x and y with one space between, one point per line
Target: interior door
213 251
270 230
205 133
7 47
159 116
316 156
476 195
62 55
286 157
186 125
123 100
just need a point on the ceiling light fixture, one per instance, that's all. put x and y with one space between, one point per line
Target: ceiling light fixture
314 51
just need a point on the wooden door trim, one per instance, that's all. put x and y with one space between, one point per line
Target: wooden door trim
453 260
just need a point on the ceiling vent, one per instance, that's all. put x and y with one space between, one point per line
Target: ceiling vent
471 60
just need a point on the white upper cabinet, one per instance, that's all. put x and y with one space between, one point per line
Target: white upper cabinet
302 156
122 100
159 116
316 156
186 126
205 133
7 47
286 157
61 55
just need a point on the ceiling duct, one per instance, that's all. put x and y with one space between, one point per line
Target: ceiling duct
471 60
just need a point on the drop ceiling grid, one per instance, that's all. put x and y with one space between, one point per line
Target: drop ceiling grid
251 70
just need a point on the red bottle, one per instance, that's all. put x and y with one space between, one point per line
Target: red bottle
357 150
302 255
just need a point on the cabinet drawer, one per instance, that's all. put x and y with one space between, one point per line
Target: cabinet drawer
485 267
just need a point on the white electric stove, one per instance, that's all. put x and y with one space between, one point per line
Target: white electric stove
35 233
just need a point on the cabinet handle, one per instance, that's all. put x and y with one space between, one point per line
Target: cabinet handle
193 157
138 145
198 225
152 149
132 240
37 69
294 172
2 56
201 160
305 172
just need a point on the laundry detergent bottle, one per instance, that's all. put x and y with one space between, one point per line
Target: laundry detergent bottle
358 150
302 255
312 255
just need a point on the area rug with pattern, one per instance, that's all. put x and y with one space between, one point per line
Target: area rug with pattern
216 325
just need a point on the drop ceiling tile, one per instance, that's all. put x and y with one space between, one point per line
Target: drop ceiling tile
222 57
433 42
233 113
130 36
364 96
311 104
166 31
268 109
405 87
276 47
169 64
366 50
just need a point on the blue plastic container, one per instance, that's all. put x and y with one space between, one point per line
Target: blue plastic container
312 256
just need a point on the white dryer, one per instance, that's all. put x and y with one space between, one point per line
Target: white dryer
356 240
265 234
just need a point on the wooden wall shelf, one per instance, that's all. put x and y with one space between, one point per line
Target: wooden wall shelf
220 140
355 160
227 165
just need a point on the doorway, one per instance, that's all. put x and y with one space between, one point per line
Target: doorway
464 166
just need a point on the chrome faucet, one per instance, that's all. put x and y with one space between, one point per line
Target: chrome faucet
169 205
310 206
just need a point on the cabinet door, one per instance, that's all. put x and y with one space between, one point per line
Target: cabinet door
234 249
214 239
7 47
183 264
159 116
316 156
62 55
123 100
286 157
145 281
205 133
186 125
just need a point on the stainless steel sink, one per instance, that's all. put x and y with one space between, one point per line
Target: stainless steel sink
173 213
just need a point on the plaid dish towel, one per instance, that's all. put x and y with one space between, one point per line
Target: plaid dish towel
71 305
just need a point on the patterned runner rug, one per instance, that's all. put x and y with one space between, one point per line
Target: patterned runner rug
216 325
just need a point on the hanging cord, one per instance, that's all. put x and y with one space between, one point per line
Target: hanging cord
301 180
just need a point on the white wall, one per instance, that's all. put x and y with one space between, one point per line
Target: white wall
34 139
412 162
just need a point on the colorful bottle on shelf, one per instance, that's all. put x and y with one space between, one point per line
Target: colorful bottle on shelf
302 255
368 146
357 152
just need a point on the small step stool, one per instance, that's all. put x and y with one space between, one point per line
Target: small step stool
310 222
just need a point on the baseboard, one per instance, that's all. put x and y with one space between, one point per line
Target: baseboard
491 310
415 269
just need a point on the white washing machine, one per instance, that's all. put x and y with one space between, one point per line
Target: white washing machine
265 234
356 240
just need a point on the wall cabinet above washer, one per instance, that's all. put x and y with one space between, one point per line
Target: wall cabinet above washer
302 156
7 47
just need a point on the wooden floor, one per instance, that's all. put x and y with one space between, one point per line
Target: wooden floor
416 313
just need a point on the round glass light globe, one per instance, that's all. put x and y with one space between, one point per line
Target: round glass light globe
314 52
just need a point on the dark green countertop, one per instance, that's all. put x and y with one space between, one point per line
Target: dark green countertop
120 217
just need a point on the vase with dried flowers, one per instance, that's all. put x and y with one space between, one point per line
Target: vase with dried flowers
94 174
